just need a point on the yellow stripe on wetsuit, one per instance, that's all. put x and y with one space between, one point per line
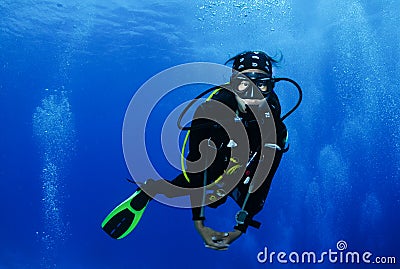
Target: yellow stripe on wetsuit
187 138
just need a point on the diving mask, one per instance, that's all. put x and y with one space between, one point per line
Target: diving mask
249 85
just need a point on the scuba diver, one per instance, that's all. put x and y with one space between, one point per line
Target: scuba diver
236 142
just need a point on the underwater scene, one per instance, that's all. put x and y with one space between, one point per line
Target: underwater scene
82 83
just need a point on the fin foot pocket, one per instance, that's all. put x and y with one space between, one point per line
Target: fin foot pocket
124 218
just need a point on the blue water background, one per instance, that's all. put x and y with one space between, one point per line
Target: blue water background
68 70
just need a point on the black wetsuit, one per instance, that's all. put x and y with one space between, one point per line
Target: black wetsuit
203 129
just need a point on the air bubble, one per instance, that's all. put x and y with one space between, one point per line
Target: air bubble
54 131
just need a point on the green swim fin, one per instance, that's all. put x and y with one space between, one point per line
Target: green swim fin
124 218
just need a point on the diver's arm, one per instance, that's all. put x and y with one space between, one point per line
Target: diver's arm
257 199
255 204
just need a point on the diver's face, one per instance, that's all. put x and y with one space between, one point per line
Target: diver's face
248 84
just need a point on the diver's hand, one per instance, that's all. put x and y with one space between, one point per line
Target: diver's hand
212 239
241 104
232 236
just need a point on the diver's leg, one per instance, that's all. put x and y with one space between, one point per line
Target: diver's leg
177 187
